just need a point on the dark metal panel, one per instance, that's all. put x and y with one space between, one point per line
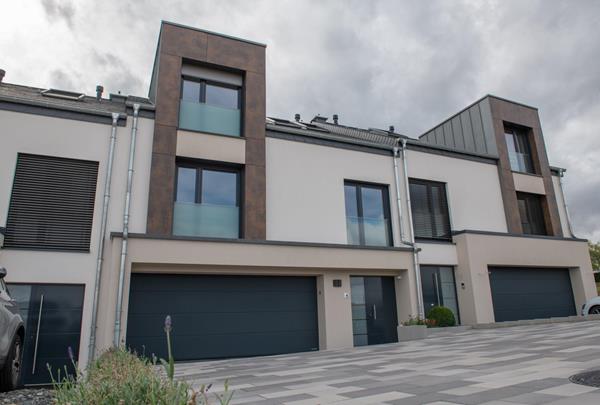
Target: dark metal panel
531 293
222 316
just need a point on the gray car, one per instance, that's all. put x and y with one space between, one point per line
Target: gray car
12 333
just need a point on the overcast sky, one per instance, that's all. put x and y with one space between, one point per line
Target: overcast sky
410 64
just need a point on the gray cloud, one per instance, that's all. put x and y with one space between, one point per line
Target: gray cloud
59 9
403 63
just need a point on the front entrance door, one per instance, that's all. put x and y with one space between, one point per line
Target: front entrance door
439 288
52 316
374 316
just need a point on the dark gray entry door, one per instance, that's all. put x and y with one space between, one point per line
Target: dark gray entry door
52 315
374 315
531 293
222 316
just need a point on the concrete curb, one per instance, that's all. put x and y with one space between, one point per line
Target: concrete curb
566 319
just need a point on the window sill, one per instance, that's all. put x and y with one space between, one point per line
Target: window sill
527 174
434 240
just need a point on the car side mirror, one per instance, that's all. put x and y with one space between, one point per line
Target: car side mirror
2 272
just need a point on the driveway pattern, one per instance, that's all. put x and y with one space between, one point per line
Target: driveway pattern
516 365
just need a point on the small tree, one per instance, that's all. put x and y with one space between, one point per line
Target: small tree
595 255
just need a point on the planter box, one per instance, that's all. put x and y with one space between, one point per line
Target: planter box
411 332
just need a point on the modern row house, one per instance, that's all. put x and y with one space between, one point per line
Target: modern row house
262 235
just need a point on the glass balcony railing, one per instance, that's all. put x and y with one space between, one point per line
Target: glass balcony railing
520 162
368 231
218 221
208 118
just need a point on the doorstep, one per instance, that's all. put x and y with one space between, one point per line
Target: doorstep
524 322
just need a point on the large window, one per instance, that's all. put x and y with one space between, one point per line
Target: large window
367 214
210 107
207 201
52 203
519 149
429 210
531 213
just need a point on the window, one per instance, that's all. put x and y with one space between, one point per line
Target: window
367 214
211 107
519 150
207 202
532 214
429 210
52 203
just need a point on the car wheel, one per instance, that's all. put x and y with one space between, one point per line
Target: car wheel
11 373
594 310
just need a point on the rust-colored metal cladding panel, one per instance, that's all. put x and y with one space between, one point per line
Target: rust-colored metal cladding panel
176 45
255 224
168 89
183 42
255 151
165 139
512 113
235 54
160 195
254 106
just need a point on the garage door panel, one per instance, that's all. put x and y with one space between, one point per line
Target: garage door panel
191 347
531 293
149 324
222 316
200 301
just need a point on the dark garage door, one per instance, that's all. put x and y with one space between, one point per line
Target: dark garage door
222 316
531 293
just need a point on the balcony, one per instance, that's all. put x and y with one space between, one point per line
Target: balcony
217 221
368 231
207 118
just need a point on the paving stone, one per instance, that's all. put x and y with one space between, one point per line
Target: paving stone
514 365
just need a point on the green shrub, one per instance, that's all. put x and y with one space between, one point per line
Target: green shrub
120 377
441 316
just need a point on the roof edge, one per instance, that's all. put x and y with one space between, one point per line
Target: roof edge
163 22
479 100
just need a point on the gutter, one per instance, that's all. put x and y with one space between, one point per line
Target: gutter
102 236
415 250
119 308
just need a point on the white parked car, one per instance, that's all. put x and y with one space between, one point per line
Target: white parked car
591 307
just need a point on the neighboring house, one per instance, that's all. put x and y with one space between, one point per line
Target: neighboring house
268 238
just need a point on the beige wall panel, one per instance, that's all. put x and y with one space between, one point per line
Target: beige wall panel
437 254
28 133
211 147
477 252
305 189
473 189
529 183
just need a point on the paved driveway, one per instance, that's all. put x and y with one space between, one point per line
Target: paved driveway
517 365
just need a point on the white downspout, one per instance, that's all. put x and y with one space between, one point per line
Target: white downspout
420 310
396 151
564 200
119 308
101 237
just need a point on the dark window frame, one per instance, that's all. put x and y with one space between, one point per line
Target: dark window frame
359 207
444 194
199 166
534 212
522 141
204 82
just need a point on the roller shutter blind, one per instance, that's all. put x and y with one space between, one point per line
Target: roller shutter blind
52 203
429 205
